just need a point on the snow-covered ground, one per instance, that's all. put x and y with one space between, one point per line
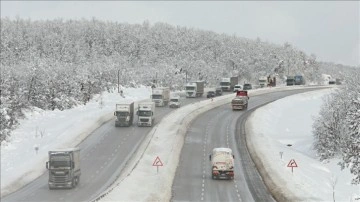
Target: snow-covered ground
311 180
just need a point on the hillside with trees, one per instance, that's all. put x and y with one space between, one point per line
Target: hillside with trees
58 64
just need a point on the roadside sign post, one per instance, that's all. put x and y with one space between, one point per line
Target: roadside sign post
157 163
292 164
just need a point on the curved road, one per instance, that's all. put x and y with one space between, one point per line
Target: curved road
221 127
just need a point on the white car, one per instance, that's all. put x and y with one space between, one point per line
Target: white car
174 102
237 87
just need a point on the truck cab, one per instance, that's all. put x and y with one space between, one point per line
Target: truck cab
146 114
225 84
64 168
124 114
263 81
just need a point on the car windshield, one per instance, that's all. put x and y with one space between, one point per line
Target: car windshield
174 100
211 92
190 88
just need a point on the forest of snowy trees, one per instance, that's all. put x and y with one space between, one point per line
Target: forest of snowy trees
337 129
59 64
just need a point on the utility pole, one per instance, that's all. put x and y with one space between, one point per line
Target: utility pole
118 80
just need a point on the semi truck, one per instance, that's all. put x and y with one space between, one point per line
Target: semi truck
64 168
299 80
263 81
240 101
225 84
290 80
234 80
222 163
124 114
145 112
194 89
160 96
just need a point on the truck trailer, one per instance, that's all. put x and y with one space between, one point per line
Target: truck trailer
160 96
194 89
225 84
222 163
64 168
124 114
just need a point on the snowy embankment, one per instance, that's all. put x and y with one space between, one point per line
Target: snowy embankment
286 134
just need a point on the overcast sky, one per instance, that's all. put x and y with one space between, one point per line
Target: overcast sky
329 29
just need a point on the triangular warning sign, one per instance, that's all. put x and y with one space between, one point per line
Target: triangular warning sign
157 162
292 163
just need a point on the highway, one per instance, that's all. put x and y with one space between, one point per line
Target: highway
221 127
106 151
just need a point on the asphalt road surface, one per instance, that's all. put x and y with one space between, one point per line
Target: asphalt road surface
221 127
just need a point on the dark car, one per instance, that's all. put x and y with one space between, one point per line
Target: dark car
218 91
247 86
210 94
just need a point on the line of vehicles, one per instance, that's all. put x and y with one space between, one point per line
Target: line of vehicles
64 164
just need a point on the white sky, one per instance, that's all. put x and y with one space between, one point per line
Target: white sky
279 129
329 29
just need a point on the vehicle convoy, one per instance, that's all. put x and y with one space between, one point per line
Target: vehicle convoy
299 80
290 80
240 101
160 96
124 114
194 89
222 163
145 114
64 168
175 102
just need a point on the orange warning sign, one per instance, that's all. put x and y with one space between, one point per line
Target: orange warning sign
292 164
157 162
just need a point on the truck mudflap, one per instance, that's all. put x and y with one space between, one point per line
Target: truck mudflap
216 174
240 107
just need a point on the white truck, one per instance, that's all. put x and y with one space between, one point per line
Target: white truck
124 114
240 101
222 163
263 81
225 84
64 168
161 96
145 114
194 89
